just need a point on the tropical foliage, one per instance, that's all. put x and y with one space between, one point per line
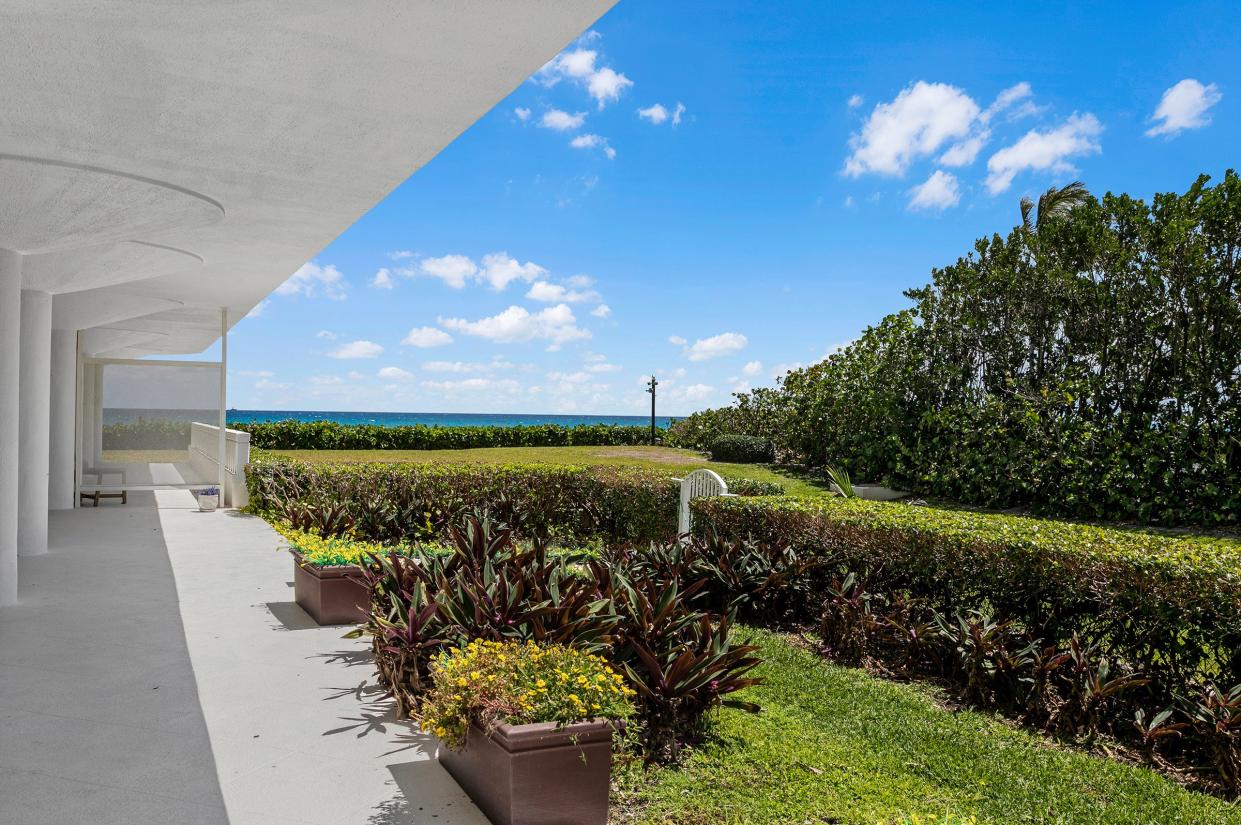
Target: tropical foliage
1083 365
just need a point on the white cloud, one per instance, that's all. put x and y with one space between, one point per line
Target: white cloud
726 343
1044 151
400 254
561 120
603 84
323 333
357 349
656 114
326 380
382 279
855 101
921 119
311 278
451 269
500 270
522 113
556 324
939 191
473 385
753 368
604 367
592 141
1005 99
257 309
677 341
550 293
395 374
1184 106
601 311
780 370
424 337
354 375
964 153
256 374
606 86
467 366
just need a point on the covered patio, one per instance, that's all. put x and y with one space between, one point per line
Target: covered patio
157 670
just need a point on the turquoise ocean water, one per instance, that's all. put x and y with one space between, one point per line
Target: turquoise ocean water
441 419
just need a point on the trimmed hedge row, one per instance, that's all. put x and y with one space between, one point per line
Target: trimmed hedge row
397 502
1168 605
743 449
329 435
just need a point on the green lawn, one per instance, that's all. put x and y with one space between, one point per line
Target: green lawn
676 462
837 745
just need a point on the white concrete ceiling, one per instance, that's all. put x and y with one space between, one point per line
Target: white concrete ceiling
181 157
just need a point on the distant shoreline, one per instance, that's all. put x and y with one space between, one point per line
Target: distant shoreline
116 415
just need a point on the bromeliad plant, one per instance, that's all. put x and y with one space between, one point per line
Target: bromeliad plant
489 683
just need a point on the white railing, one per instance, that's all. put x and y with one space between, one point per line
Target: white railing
204 455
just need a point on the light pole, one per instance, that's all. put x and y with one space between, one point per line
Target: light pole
650 387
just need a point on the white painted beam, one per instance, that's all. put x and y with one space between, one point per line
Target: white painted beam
63 426
34 421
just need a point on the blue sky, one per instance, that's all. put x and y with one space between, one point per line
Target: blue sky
714 196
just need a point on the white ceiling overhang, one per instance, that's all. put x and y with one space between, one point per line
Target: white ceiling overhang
185 157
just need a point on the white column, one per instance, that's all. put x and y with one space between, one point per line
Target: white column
10 369
64 423
34 419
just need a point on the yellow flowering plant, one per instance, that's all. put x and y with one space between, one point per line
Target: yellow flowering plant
343 550
493 683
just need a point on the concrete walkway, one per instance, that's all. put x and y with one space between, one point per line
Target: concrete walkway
157 671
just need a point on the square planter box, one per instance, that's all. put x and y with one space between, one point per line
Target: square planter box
536 774
331 595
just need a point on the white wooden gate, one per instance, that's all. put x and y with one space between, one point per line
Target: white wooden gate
698 484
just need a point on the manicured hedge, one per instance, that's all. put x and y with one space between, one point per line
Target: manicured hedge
397 502
329 435
743 449
1169 605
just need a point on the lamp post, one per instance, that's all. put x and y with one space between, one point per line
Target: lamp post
650 387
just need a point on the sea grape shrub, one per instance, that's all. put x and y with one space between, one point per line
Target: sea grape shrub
1012 380
331 435
742 449
488 684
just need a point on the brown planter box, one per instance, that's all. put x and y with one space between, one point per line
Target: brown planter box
331 595
536 774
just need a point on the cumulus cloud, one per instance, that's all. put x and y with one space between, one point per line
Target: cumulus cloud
1184 106
424 337
395 374
257 309
677 341
752 368
593 141
522 113
855 101
562 121
921 119
357 349
581 65
549 293
726 343
1044 150
311 279
382 279
500 270
453 270
939 191
516 324
601 311
323 333
658 113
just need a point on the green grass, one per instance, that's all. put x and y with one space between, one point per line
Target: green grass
837 745
675 462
